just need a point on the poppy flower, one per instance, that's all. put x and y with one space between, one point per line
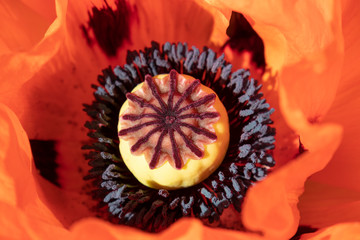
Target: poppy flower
46 69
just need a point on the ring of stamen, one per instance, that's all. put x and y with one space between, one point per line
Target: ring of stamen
123 199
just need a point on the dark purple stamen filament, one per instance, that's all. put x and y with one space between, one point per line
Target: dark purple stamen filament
169 120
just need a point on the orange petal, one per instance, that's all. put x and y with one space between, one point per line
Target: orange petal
271 205
24 24
315 54
15 224
334 192
175 21
345 110
15 162
162 21
92 228
67 206
54 95
344 231
186 228
66 75
23 214
288 173
221 18
304 39
307 60
76 66
323 205
29 38
78 53
219 233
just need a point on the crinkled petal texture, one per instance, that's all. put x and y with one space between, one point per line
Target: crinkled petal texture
278 217
30 36
24 215
333 195
28 217
304 39
54 67
74 66
345 109
344 231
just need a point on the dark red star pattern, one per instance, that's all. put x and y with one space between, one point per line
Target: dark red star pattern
168 119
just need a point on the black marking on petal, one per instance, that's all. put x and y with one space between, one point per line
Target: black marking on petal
302 148
303 229
111 27
45 154
243 37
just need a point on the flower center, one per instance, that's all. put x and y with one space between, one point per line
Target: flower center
247 158
170 119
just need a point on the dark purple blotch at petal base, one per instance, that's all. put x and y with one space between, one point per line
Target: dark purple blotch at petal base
242 37
111 27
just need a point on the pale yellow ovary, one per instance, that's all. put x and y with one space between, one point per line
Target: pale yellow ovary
194 171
